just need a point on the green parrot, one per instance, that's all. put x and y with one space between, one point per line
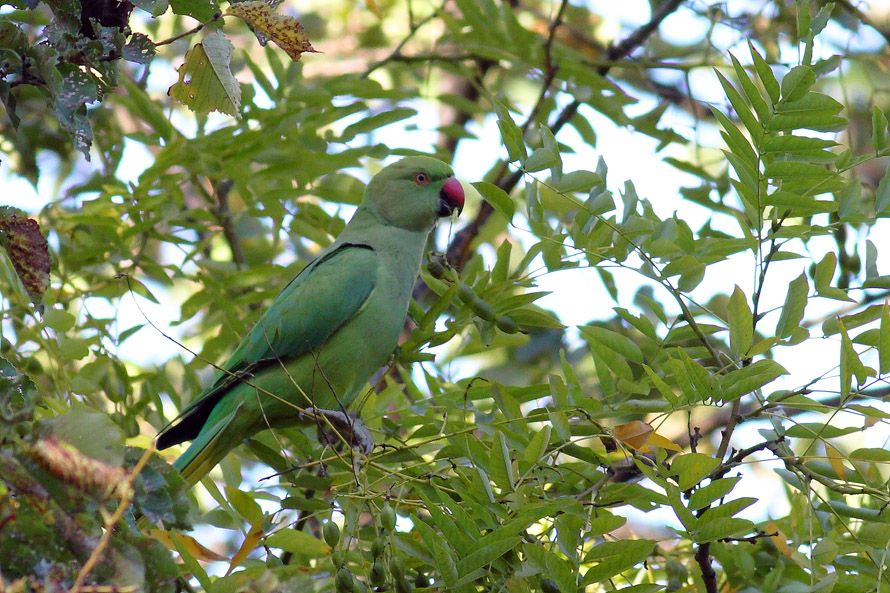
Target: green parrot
330 329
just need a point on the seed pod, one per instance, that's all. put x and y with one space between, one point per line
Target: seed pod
507 325
358 586
466 293
331 533
378 573
377 547
344 581
388 517
482 309
549 586
337 559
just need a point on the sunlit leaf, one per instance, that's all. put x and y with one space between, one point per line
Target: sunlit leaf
205 81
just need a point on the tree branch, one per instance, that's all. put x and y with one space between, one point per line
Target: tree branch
847 6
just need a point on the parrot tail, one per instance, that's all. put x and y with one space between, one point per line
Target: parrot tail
208 449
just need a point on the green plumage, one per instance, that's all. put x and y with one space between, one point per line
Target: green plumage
331 328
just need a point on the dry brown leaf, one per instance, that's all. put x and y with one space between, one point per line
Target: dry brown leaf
285 31
634 434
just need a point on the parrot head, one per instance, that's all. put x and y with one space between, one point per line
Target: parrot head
413 192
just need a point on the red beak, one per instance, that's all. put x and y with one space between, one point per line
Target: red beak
451 197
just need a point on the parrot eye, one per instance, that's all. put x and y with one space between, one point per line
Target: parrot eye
421 179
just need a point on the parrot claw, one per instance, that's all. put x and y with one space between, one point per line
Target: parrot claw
347 427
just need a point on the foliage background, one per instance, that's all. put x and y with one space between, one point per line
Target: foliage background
608 455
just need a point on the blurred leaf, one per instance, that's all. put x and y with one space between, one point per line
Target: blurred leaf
498 198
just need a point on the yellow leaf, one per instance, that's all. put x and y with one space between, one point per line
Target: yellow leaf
186 542
285 31
250 542
634 434
836 460
780 541
656 440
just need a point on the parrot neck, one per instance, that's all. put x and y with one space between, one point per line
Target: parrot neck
400 249
367 227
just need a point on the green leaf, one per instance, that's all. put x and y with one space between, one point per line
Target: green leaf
691 468
850 365
794 307
751 92
498 198
795 144
510 133
614 557
663 388
501 463
537 446
484 553
578 181
606 523
717 489
878 129
201 10
59 320
613 349
882 196
812 430
540 159
721 528
823 275
93 433
205 81
884 340
299 543
874 535
73 348
738 144
750 378
765 73
442 555
746 116
741 323
376 121
797 83
872 454
245 505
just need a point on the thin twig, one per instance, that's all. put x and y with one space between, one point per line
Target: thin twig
216 16
126 498
397 52
224 215
863 18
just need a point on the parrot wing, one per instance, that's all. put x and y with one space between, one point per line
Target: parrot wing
320 300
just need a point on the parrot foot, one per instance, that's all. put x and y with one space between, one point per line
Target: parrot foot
347 427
